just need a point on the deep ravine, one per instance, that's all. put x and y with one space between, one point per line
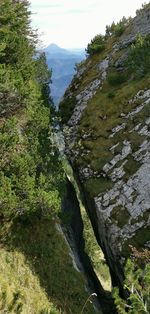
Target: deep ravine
117 277
73 231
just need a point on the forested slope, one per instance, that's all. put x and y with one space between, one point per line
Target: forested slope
36 270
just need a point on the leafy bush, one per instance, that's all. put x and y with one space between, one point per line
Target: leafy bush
66 108
96 45
136 285
111 94
117 29
139 57
116 78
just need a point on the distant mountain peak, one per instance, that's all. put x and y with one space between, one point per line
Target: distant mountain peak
62 62
53 48
53 45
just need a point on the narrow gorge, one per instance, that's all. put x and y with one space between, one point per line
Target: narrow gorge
74 234
75 183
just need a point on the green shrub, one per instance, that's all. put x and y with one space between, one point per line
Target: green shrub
137 287
66 108
30 174
139 57
96 45
111 94
116 78
117 29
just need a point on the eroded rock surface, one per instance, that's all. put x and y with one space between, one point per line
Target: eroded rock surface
107 141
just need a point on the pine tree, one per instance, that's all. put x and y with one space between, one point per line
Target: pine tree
29 166
137 288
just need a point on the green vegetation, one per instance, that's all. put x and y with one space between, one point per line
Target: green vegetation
117 29
37 275
35 263
115 78
99 42
20 290
95 253
28 163
17 46
137 64
91 246
131 167
138 241
120 215
95 186
96 149
104 110
66 111
96 45
111 94
36 271
28 167
139 57
102 106
136 285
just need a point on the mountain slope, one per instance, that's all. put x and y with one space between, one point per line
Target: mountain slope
105 112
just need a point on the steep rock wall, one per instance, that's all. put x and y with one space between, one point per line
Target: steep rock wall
73 230
107 141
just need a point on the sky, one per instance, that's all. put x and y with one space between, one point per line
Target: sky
73 23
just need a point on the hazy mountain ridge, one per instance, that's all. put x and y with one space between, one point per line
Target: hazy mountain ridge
62 62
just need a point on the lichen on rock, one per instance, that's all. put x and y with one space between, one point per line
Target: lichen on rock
108 144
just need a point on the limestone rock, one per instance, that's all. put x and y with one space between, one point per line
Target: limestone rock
114 172
140 25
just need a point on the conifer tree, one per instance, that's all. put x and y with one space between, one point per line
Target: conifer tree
29 167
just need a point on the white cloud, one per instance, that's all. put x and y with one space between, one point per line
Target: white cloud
73 23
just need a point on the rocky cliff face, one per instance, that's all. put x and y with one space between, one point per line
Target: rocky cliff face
106 116
73 231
